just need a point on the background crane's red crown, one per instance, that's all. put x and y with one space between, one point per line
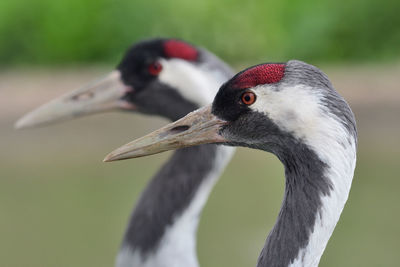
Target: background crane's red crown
260 74
180 49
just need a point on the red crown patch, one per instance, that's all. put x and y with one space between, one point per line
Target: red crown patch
261 74
179 49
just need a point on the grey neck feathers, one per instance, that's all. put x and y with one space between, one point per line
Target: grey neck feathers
305 185
315 193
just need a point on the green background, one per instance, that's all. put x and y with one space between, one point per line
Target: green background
60 32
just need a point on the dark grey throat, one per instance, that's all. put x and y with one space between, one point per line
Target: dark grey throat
167 196
305 185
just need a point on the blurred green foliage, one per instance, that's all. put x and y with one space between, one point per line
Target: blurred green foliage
92 31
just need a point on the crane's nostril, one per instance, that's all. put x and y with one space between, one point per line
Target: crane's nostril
83 96
175 130
179 129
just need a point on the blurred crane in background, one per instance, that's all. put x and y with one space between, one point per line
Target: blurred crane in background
168 78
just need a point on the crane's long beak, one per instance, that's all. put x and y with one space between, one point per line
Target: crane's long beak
102 95
196 128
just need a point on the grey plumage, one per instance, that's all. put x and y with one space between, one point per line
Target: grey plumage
167 195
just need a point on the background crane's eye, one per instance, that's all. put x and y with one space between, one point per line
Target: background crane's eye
248 98
155 68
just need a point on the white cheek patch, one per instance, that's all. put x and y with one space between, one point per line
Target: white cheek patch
294 109
193 83
300 111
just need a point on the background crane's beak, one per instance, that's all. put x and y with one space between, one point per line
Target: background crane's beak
102 95
196 128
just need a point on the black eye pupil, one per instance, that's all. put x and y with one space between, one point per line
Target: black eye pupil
247 97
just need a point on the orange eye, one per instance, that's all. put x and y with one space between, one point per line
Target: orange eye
248 98
155 68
